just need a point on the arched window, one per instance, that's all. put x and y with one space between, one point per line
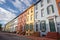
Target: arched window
50 9
43 26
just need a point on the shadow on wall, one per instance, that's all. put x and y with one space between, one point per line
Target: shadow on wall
58 27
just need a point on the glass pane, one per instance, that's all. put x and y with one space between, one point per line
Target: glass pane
31 26
48 1
42 12
41 3
36 6
50 9
36 14
36 27
43 26
52 25
26 27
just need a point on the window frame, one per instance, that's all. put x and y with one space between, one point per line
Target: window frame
36 26
41 27
48 1
36 7
42 14
36 14
42 3
31 26
26 27
49 9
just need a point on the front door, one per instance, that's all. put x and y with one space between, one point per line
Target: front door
52 25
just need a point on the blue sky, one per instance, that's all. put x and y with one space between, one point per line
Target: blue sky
9 9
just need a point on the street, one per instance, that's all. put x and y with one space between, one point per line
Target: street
8 36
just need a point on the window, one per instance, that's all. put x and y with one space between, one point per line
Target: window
42 12
26 27
36 6
31 17
36 14
50 9
43 26
59 4
31 27
28 18
36 27
48 1
26 33
28 11
41 3
30 33
31 10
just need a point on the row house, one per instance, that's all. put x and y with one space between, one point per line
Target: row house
58 5
46 16
30 20
58 18
26 21
14 25
43 17
21 22
11 26
7 27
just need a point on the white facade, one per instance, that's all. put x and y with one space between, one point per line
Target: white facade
46 10
58 24
13 25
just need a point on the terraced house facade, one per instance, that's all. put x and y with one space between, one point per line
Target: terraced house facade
43 17
30 20
58 18
11 26
21 22
46 13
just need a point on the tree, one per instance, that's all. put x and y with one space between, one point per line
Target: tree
0 26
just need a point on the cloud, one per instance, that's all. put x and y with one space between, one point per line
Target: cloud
22 4
6 16
18 4
13 11
2 1
27 2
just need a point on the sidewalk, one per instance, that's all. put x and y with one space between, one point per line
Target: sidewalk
32 37
40 38
37 38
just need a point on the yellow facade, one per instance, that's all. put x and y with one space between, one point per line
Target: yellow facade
8 25
30 20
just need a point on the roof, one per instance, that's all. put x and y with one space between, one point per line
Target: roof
37 2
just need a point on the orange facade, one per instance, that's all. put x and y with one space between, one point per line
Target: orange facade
58 5
21 22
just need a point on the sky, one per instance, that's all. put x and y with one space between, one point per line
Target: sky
9 9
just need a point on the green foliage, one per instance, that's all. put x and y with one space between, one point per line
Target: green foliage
0 26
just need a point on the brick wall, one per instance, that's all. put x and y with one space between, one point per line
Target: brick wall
53 35
36 34
21 22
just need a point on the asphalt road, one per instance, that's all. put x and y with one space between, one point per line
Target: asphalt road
8 36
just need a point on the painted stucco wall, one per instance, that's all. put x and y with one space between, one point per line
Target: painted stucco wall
46 17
